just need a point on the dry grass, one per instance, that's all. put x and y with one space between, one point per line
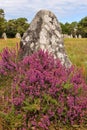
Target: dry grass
11 43
77 52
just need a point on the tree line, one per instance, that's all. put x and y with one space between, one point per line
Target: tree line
75 28
20 25
12 26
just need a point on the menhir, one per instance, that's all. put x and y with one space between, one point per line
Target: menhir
44 33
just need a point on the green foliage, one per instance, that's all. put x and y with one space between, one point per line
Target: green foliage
75 28
21 25
82 27
16 26
2 13
30 105
67 86
11 120
2 22
48 99
12 26
65 28
69 28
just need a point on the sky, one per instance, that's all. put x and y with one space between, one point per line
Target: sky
65 10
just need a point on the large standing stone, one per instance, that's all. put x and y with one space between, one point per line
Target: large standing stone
44 33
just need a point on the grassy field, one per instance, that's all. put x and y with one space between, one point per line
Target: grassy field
11 43
77 52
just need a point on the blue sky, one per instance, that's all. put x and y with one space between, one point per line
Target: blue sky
65 10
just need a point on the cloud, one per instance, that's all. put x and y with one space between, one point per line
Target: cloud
64 9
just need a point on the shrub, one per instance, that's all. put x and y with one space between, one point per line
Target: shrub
44 92
8 61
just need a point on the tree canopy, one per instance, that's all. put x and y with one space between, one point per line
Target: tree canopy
2 13
82 27
16 26
75 28
2 22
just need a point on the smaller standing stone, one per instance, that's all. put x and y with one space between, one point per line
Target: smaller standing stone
71 36
18 35
66 36
75 36
79 36
4 36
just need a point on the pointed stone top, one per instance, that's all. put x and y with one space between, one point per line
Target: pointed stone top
41 13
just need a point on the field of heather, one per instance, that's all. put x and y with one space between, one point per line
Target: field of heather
38 93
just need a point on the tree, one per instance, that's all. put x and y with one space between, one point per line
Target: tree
11 28
2 22
21 25
16 26
82 27
73 28
66 28
2 13
69 28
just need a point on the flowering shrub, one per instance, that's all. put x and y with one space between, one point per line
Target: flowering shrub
45 92
8 61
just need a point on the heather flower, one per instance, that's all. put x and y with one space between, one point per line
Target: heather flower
44 91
